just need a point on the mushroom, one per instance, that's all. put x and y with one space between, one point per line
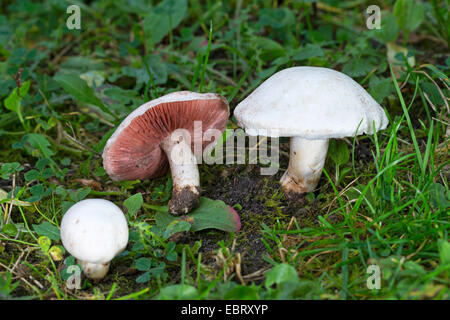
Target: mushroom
160 134
94 231
310 105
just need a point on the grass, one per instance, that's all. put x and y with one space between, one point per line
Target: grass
383 199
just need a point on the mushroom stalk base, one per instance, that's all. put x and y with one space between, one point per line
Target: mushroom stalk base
185 176
94 271
306 161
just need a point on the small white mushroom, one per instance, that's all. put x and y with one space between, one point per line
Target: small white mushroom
94 231
310 105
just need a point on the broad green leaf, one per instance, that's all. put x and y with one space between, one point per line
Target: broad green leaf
78 88
269 48
42 163
37 192
158 68
338 152
439 196
215 214
162 18
143 278
143 264
39 143
276 18
79 194
10 230
47 229
444 251
389 28
240 292
134 203
308 51
379 89
176 226
45 243
409 14
210 214
31 175
281 273
359 66
178 291
15 98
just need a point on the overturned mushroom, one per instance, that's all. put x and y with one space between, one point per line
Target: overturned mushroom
310 105
94 231
160 134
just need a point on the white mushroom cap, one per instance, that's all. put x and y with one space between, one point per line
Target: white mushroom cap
94 230
310 103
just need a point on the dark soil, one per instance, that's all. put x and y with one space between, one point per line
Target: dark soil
262 201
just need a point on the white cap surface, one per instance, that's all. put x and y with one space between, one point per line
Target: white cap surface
311 103
94 230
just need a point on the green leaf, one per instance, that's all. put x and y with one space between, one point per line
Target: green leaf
380 89
143 278
79 194
157 68
358 67
281 273
45 243
178 291
8 168
143 264
134 203
37 192
338 152
215 214
47 229
439 196
308 51
42 163
39 142
79 89
31 175
210 214
389 28
10 229
240 292
444 251
409 14
15 98
164 17
176 226
269 48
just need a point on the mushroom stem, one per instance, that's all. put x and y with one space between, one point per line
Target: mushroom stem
185 176
94 271
306 161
